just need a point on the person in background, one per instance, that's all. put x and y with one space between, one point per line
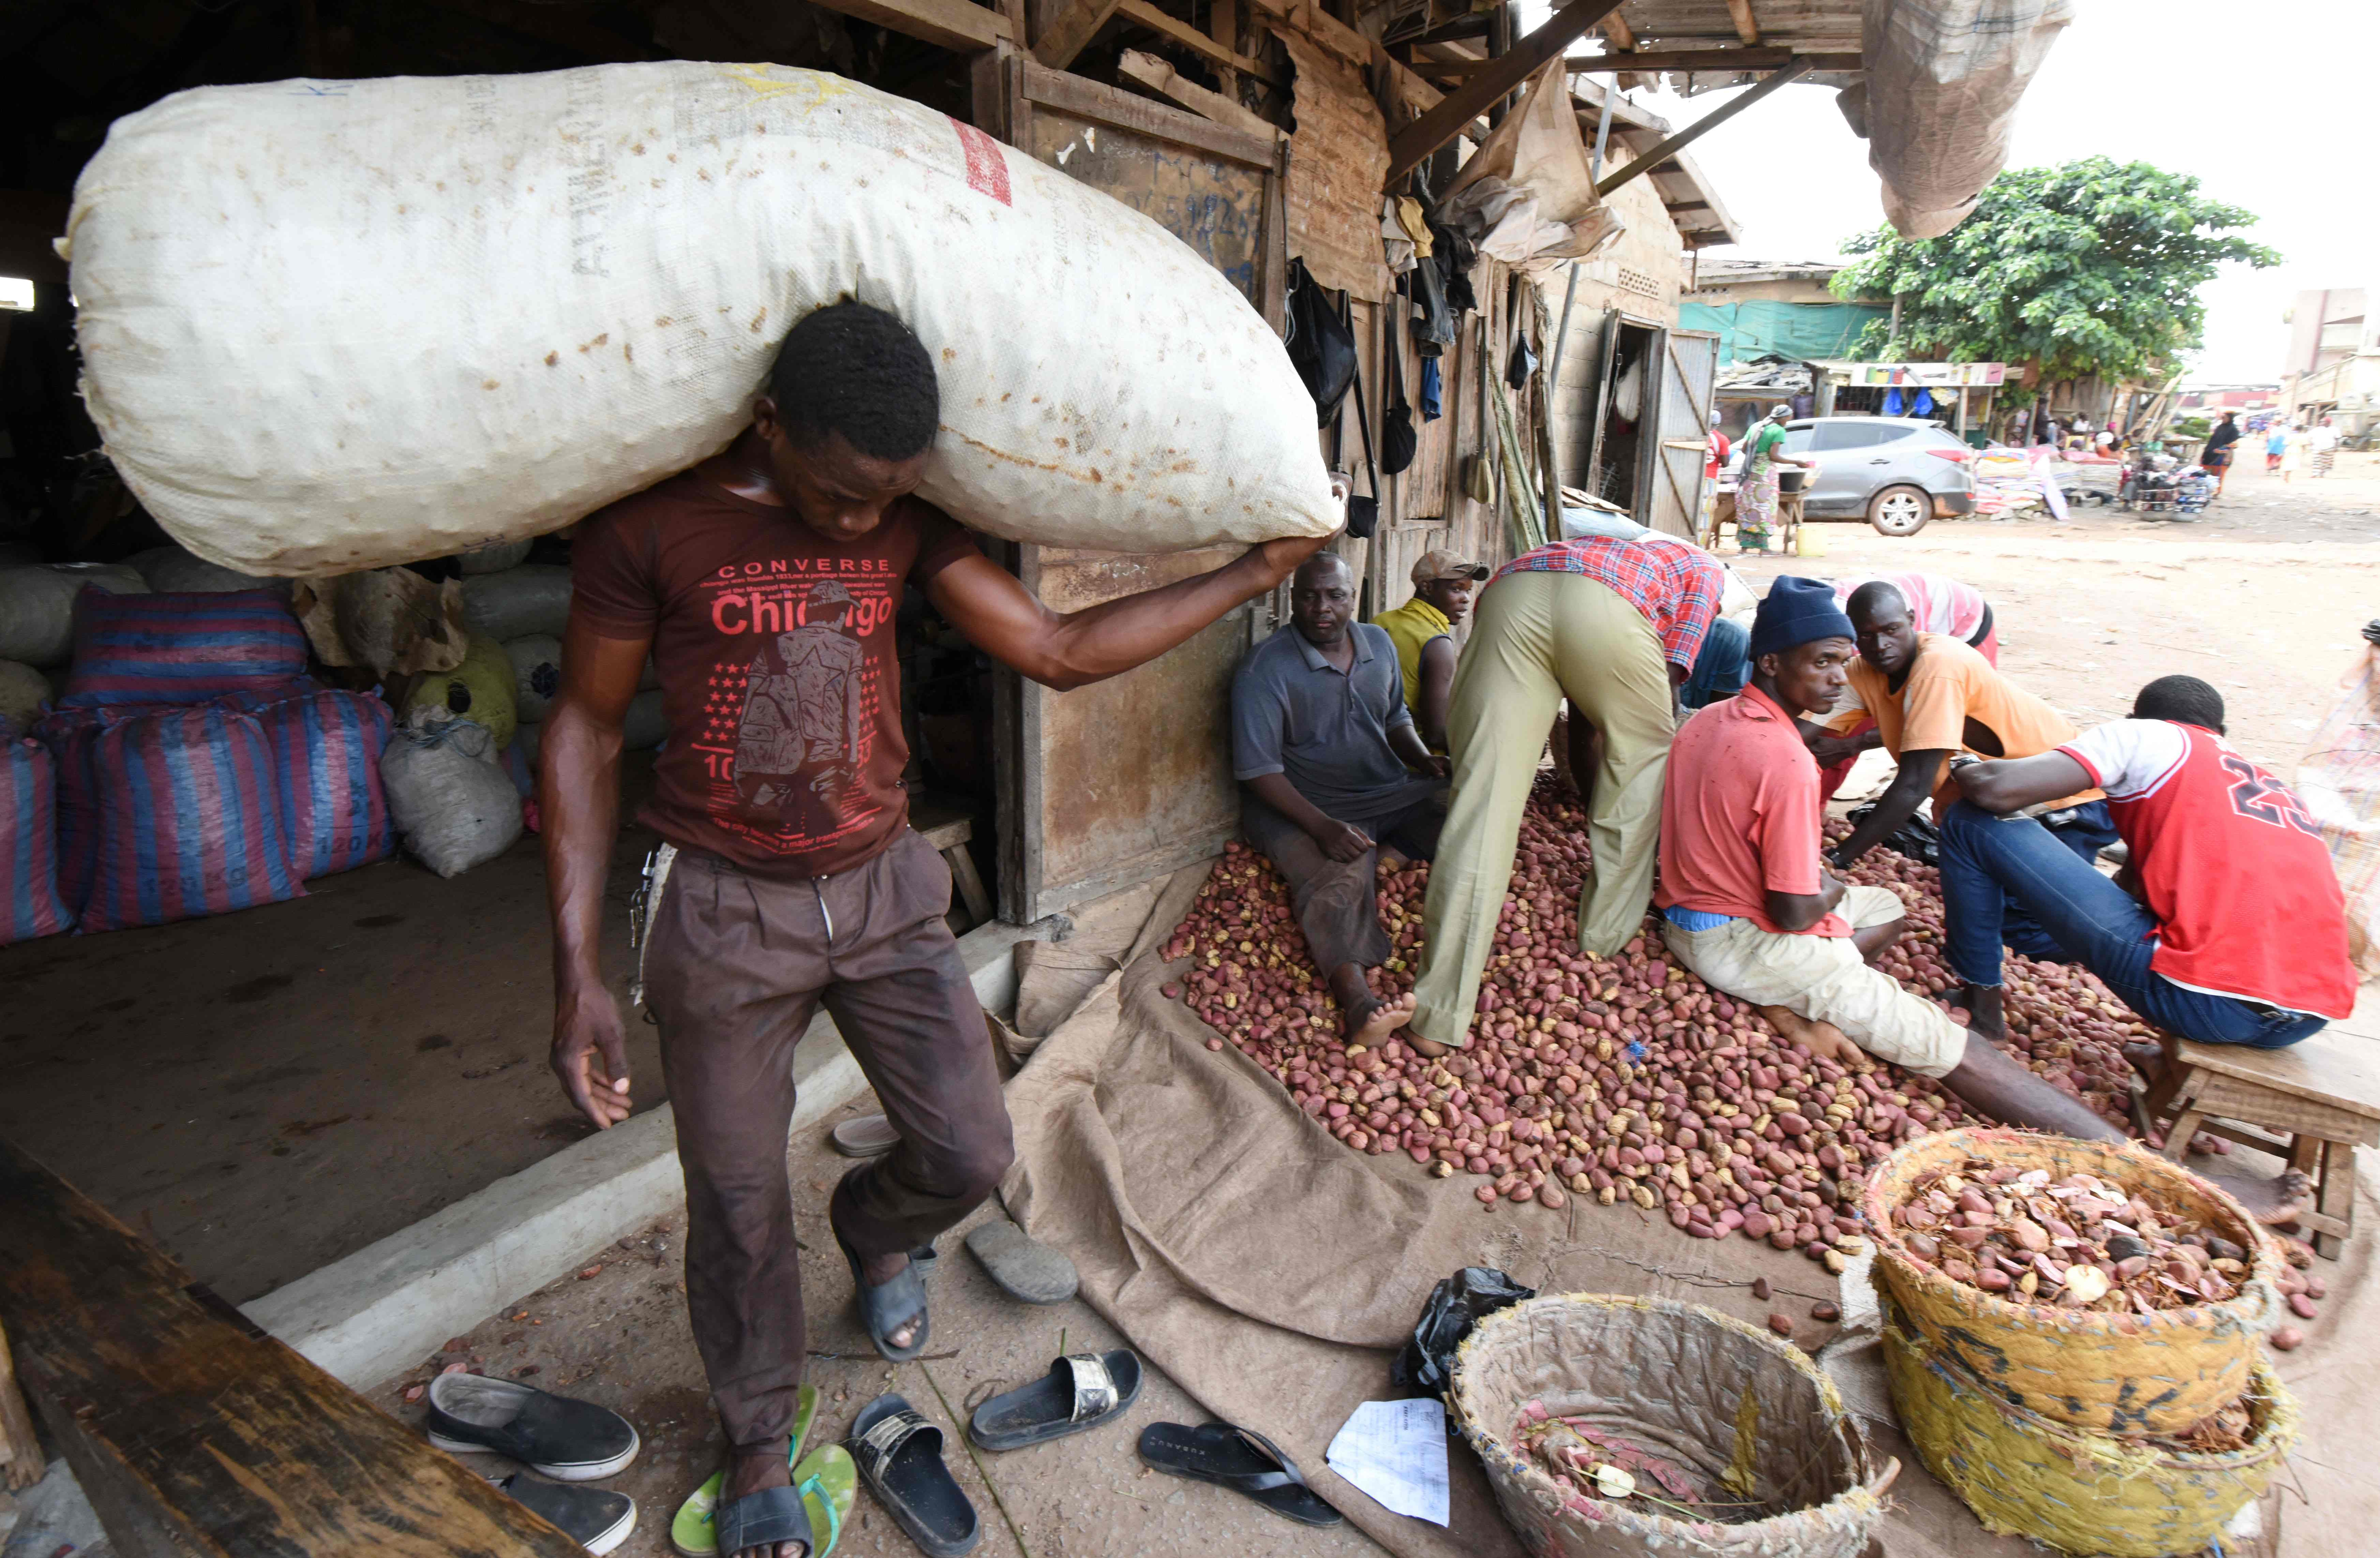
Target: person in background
2226 926
1933 697
1756 491
1747 902
2104 441
1333 778
2322 444
2220 447
2276 444
1714 461
1614 625
1422 630
765 904
1937 604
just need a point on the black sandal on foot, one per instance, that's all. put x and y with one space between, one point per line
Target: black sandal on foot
1081 1391
762 1520
1236 1458
900 1459
884 1309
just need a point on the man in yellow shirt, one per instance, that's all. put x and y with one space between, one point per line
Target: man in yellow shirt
1933 695
1422 630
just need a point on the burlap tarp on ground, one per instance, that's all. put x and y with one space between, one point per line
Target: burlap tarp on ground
1273 1272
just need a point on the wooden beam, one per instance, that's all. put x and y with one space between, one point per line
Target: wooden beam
1159 76
1651 160
194 1432
1072 31
946 24
1615 26
1224 25
1140 13
1731 62
1409 146
1747 26
1103 104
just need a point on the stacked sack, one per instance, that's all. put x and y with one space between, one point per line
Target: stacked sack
524 609
193 768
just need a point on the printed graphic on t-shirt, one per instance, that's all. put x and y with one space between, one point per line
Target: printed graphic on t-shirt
789 718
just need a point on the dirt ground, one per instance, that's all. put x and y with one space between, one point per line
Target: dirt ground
264 1092
619 1337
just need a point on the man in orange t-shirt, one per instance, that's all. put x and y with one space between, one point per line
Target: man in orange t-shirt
1933 697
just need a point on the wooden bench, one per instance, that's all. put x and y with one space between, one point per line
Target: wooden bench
194 1432
2319 1100
948 828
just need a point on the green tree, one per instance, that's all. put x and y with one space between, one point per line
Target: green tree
2092 267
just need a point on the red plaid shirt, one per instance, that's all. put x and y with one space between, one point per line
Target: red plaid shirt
1676 585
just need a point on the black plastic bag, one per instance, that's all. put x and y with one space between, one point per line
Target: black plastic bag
1424 1365
1915 838
1399 442
1321 346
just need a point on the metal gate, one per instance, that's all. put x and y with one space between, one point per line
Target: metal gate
1119 781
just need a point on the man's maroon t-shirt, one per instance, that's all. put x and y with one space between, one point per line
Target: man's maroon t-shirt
775 649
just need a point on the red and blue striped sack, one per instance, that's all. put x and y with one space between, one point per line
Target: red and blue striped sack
71 735
189 819
173 648
326 748
29 905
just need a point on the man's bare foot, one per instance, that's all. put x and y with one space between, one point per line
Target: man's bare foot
749 1472
1382 1020
2271 1201
878 1269
1819 1037
1429 1049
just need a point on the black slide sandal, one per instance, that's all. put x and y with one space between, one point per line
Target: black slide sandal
762 1520
900 1459
1236 1458
884 1310
1081 1391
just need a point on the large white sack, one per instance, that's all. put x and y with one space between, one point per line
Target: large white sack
537 674
172 570
329 327
533 598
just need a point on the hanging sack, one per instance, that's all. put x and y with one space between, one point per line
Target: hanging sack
1398 443
1321 346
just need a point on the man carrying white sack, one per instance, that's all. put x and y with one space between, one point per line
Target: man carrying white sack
1747 901
764 583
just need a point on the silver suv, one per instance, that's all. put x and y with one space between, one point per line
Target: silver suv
1895 472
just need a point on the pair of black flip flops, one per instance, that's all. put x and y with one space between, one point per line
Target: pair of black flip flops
899 1453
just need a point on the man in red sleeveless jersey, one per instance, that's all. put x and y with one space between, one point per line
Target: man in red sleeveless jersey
2227 925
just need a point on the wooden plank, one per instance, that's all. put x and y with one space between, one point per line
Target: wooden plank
1732 62
1443 123
1747 27
1090 100
1651 160
1160 77
946 24
193 1429
1224 25
2338 1069
1142 13
1071 31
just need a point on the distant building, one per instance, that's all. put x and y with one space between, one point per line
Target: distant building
1775 308
2333 362
2214 399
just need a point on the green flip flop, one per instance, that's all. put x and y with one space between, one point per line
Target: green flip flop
828 1481
692 1532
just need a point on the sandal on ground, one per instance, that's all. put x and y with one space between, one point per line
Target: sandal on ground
1236 1458
810 1512
1081 1391
1027 1270
692 1531
900 1459
886 1307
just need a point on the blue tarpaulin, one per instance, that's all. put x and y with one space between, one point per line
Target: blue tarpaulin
1802 331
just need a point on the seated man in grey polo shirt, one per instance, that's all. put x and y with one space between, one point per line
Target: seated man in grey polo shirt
1333 775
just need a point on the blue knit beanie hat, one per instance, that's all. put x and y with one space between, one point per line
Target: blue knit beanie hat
1794 611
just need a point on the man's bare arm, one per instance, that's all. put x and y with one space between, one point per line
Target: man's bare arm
1799 911
1065 650
1899 803
1437 661
578 801
2006 784
1406 743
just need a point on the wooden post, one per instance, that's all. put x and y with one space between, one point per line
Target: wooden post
1407 147
1224 25
1702 127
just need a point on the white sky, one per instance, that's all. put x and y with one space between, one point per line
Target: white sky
2274 107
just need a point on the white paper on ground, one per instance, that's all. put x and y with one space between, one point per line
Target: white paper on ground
1395 1451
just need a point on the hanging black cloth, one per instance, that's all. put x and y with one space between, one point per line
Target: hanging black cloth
1321 346
1364 512
1398 443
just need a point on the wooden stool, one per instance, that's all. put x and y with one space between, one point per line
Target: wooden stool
1789 523
2321 1096
948 828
